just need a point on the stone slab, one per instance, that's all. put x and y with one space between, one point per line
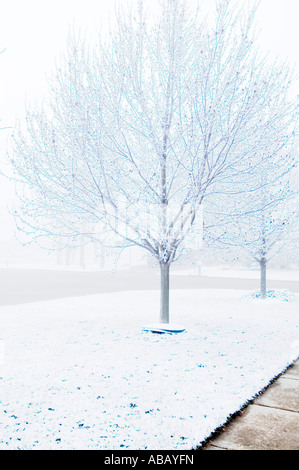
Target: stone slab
212 447
283 394
261 428
292 372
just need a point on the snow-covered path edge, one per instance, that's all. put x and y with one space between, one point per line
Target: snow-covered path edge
232 416
79 373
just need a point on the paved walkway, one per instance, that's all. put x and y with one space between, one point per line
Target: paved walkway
271 422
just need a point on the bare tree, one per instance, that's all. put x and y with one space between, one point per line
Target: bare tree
260 223
146 125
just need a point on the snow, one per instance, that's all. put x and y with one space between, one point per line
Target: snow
169 328
284 295
218 271
80 373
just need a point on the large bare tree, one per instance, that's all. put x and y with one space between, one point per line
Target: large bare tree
143 127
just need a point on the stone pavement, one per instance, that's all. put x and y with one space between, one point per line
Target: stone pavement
270 422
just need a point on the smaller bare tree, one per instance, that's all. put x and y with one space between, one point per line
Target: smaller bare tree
260 224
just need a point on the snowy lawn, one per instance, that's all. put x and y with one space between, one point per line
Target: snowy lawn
241 273
80 373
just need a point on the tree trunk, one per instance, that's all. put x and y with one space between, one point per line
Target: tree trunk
68 256
164 299
59 257
82 256
263 282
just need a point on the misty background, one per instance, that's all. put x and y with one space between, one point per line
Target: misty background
33 36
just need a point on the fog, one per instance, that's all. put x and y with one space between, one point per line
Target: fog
33 35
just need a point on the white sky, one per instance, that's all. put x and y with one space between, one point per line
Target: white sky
33 33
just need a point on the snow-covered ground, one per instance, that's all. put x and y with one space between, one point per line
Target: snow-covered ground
79 373
229 272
